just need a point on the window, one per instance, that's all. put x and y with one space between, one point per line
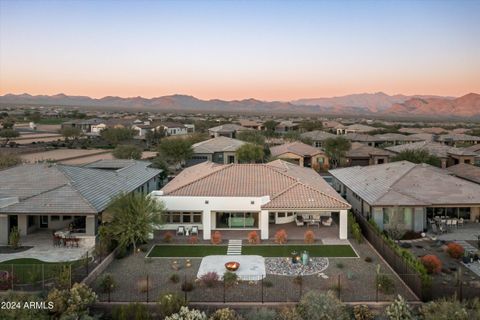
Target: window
281 214
183 217
54 218
289 214
31 221
67 218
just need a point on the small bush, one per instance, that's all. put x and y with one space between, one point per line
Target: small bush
298 280
362 312
230 278
193 240
216 237
368 259
316 305
175 278
107 283
225 314
253 237
261 314
187 286
210 279
399 310
267 283
340 265
385 284
309 237
432 263
168 237
14 238
187 314
131 311
455 250
170 303
445 310
281 236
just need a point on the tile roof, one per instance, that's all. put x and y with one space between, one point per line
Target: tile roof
466 171
457 137
296 147
360 128
435 148
229 127
396 137
359 137
288 185
219 144
409 184
318 135
69 189
360 150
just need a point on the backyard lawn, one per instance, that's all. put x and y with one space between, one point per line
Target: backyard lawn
171 251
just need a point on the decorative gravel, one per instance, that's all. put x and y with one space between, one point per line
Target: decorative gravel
285 267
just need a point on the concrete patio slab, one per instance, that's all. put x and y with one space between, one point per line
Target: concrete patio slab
251 267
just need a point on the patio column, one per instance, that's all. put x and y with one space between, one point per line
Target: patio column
22 224
3 229
263 221
343 229
91 225
207 224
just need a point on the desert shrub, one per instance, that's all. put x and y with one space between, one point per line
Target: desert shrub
455 250
289 313
143 285
395 233
210 279
225 314
298 280
362 312
187 314
107 283
261 314
175 278
432 263
267 283
168 237
216 237
131 311
385 283
72 303
187 286
309 237
230 278
444 310
399 310
319 306
193 239
340 265
170 303
21 313
253 237
357 232
14 238
368 259
281 236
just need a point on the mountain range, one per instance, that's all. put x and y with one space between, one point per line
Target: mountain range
354 104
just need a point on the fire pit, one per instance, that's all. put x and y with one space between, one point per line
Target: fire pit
232 266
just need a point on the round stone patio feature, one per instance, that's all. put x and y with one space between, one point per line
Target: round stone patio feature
285 267
251 268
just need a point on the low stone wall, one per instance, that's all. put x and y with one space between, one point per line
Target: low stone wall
88 280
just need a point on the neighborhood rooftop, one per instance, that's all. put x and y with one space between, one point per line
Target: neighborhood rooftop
219 144
298 148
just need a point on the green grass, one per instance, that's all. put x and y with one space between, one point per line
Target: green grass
186 251
313 250
26 261
52 120
262 250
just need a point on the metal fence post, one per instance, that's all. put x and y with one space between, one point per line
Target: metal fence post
86 261
70 267
185 287
148 288
223 290
43 277
11 277
339 287
262 289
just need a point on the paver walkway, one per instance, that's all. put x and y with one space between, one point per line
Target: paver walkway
234 247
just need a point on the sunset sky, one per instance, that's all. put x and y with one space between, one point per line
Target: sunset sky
269 50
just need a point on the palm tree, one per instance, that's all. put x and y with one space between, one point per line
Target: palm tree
134 217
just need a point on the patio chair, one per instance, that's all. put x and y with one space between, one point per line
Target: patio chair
180 231
434 228
194 230
449 223
455 223
327 222
460 222
299 221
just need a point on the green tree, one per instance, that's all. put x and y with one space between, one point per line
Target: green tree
250 153
35 117
71 133
160 163
153 137
255 137
14 238
336 149
135 216
127 151
116 135
175 150
8 160
7 135
311 125
418 156
270 126
8 123
322 306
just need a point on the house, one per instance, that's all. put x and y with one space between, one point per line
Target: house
252 124
218 150
93 126
286 126
448 155
404 195
169 128
52 197
301 154
364 155
395 139
466 171
249 197
354 128
455 139
318 137
362 138
229 130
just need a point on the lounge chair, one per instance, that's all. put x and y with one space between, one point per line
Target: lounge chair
327 222
299 221
194 230
180 231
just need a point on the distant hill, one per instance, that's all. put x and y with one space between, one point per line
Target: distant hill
355 104
373 102
465 106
